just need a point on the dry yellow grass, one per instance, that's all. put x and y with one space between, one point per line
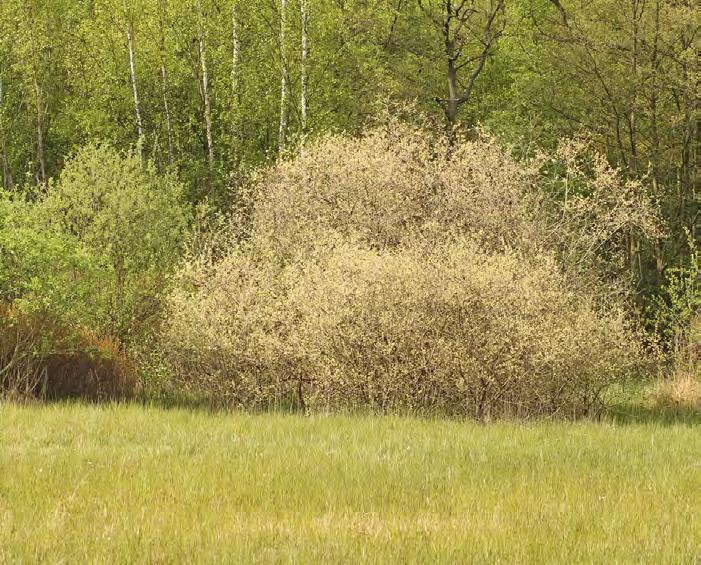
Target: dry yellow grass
681 391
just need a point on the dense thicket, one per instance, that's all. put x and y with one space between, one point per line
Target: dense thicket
382 275
215 86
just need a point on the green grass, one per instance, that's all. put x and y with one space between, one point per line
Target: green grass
130 483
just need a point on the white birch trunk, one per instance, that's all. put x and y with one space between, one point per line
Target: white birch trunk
40 110
164 87
135 90
304 104
205 95
284 87
235 79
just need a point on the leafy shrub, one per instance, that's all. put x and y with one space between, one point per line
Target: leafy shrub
44 358
83 270
379 274
43 269
676 314
130 218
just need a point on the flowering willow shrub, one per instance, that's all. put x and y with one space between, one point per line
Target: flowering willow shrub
378 274
226 332
393 188
449 329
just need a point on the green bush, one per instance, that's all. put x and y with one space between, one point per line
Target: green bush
132 219
44 269
83 272
675 315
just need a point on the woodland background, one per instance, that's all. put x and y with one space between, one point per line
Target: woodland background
200 98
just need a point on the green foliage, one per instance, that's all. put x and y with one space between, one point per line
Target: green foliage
83 269
676 313
42 268
99 248
131 219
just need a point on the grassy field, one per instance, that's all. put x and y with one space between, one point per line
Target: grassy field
129 483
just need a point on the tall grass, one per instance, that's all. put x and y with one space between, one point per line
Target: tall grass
123 484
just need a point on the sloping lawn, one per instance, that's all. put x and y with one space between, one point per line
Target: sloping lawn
128 483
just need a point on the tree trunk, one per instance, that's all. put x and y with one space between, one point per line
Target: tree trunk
655 148
695 165
633 244
135 90
7 182
42 179
456 19
451 105
304 104
165 89
40 174
205 95
284 87
166 109
235 79
633 127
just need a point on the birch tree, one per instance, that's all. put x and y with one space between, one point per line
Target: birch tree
304 103
165 90
205 88
235 72
284 81
32 56
134 85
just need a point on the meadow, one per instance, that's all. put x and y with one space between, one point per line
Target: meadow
132 483
320 281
